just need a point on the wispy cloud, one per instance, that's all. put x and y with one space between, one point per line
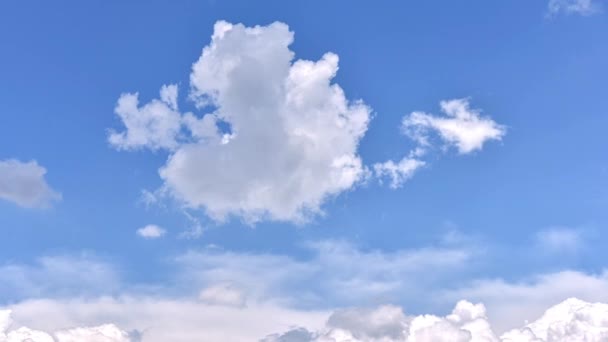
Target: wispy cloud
217 294
58 276
581 7
461 127
336 273
560 239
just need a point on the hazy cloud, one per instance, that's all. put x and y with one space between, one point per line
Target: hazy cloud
23 183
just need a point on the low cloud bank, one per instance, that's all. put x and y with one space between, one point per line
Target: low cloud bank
102 333
571 320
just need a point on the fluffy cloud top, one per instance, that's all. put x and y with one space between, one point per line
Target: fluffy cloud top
571 320
582 7
467 322
461 127
102 333
151 231
280 139
24 184
504 299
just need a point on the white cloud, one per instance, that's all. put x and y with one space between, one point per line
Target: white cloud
151 231
219 295
82 296
161 319
582 7
102 333
23 183
154 125
467 322
156 319
462 127
504 299
292 138
400 172
571 320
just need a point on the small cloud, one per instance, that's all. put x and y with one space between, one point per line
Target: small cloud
462 126
560 239
580 7
398 173
151 231
23 183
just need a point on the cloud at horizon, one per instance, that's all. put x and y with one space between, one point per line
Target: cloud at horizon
213 285
572 319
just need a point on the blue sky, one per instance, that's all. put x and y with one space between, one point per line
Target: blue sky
527 202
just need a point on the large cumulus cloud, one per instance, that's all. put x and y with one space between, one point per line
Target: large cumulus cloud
277 139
